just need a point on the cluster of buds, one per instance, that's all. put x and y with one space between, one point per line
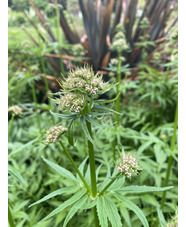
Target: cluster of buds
53 134
84 81
144 23
114 61
128 165
173 223
119 42
72 102
15 109
80 83
78 50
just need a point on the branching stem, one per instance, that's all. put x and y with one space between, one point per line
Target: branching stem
76 168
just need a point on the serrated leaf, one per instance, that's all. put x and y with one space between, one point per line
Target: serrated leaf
62 171
56 192
74 209
143 189
67 203
112 212
101 211
129 204
16 174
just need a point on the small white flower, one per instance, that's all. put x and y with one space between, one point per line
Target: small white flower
53 134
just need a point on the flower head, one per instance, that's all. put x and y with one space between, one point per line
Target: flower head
72 102
15 109
84 81
128 165
54 133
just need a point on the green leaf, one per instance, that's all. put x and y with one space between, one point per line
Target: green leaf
91 203
81 168
70 134
75 208
161 218
85 129
62 171
92 121
129 204
16 174
143 147
112 212
67 203
107 101
124 212
101 211
66 116
56 192
144 188
118 183
23 147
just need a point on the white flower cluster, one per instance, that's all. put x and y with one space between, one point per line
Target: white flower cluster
128 165
53 134
119 44
71 102
83 80
15 109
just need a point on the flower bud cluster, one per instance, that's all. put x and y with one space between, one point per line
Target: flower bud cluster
144 23
83 80
15 109
128 165
78 50
53 134
71 102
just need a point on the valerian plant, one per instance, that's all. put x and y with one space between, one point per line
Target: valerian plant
78 100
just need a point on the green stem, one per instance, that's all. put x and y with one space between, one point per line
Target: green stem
92 163
10 218
10 126
76 168
117 107
170 160
58 36
108 185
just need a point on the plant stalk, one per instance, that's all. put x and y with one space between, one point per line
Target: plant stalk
170 160
76 168
117 107
10 126
92 163
108 185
